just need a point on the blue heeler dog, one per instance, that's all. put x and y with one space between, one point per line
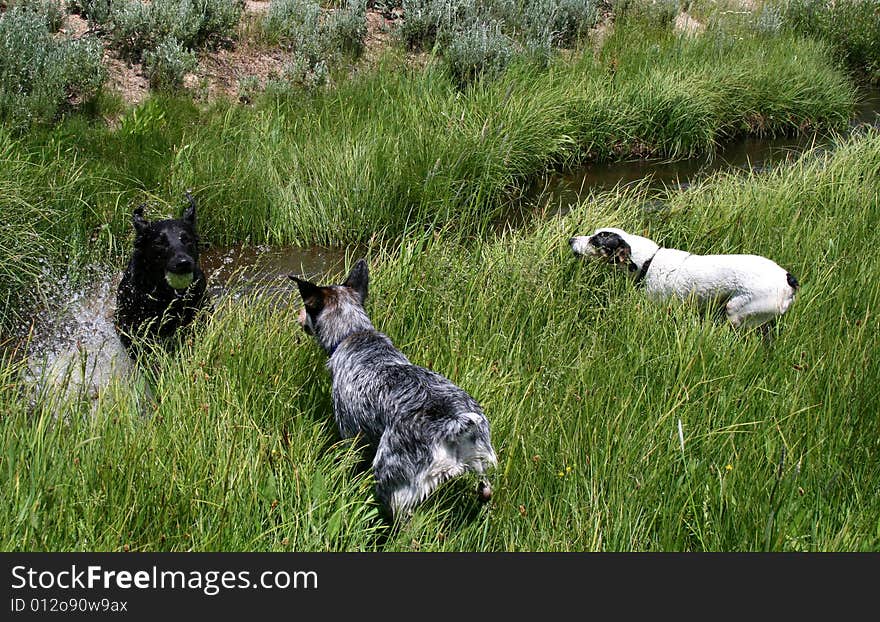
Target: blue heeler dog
423 429
163 286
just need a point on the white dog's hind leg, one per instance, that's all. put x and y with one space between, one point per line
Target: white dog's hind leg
750 311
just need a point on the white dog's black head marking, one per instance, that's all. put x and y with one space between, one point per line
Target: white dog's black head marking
422 428
617 247
752 290
612 247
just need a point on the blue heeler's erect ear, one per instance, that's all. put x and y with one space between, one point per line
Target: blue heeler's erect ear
189 214
359 278
311 293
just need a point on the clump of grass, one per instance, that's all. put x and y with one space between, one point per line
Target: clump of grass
852 27
41 204
43 75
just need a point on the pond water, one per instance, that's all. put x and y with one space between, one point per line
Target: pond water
558 191
72 342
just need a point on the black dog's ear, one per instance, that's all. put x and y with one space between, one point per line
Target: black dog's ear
189 214
311 293
359 279
137 219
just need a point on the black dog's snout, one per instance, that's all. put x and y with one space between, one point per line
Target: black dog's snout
181 264
571 241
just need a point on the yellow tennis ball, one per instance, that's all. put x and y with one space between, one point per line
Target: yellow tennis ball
179 281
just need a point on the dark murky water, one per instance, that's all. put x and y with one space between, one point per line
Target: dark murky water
266 267
73 344
558 192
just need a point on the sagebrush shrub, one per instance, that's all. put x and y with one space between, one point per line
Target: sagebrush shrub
296 23
96 11
570 18
135 27
768 19
248 87
477 50
315 37
545 25
51 11
427 22
216 24
661 12
42 74
168 63
346 27
498 29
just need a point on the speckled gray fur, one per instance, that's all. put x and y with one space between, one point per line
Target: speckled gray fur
423 428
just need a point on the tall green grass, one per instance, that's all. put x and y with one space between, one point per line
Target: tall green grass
43 210
620 424
851 27
393 149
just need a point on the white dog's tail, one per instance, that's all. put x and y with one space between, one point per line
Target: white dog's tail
787 297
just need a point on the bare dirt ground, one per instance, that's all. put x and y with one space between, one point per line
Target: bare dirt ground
219 73
688 25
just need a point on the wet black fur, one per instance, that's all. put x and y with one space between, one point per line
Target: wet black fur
147 307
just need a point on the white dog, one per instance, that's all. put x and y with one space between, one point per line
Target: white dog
752 290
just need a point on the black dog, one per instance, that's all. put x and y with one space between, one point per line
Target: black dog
163 286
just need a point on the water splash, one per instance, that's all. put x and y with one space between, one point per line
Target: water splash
73 351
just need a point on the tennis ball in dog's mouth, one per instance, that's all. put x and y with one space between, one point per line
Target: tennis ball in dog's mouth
179 281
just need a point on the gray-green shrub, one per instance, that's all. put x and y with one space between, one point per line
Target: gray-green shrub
295 23
426 21
51 11
545 25
132 29
346 27
478 49
316 37
41 74
168 63
96 11
135 27
660 12
496 30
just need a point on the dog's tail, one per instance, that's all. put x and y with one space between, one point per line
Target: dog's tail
792 282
